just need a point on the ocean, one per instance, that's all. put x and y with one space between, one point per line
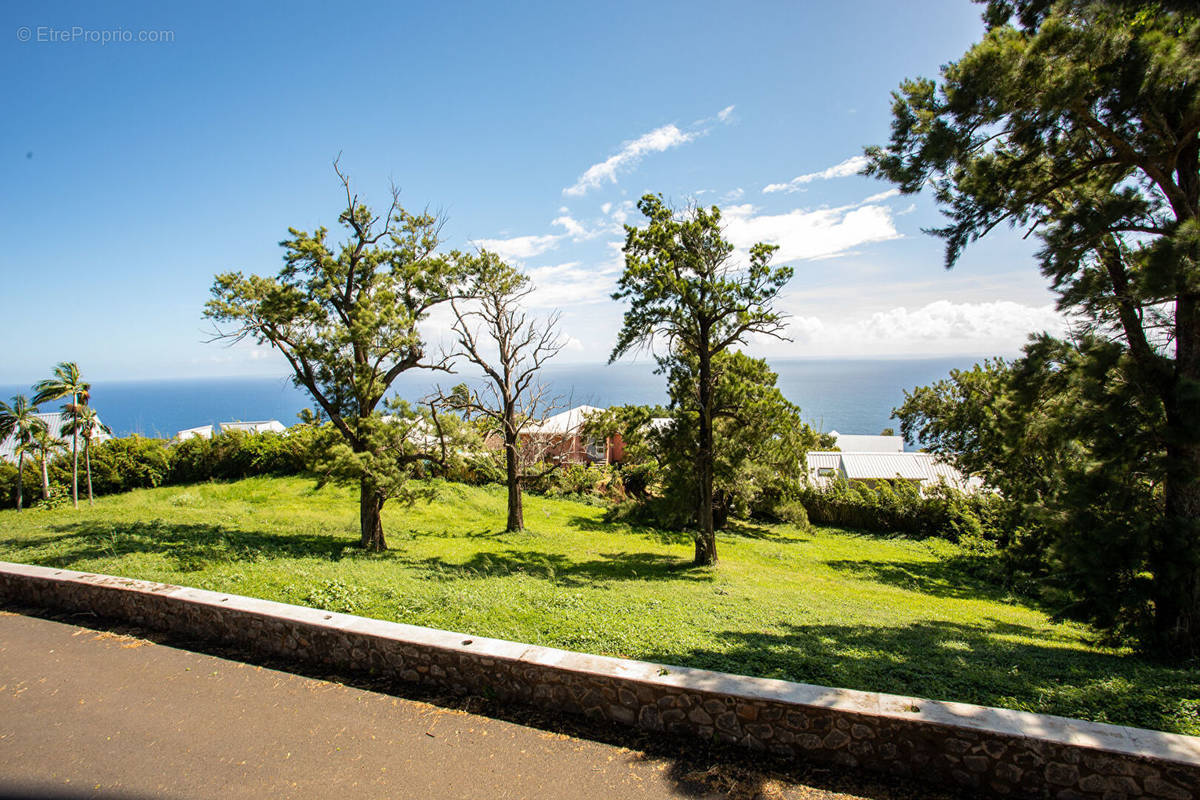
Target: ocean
847 395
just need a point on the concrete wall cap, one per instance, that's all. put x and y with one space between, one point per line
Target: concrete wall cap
1159 745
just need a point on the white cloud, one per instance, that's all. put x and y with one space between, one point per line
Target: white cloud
933 328
878 198
656 141
725 113
805 235
574 228
570 284
850 166
621 213
605 208
804 329
944 320
519 247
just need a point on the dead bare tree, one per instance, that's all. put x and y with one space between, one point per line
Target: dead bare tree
492 318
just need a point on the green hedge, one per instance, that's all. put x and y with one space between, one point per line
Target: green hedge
238 454
31 484
902 508
135 462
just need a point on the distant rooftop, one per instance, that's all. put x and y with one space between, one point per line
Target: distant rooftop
858 443
923 468
55 421
200 431
566 422
256 426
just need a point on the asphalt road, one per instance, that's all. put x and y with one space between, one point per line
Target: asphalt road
91 713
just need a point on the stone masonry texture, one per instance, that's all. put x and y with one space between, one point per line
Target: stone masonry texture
994 752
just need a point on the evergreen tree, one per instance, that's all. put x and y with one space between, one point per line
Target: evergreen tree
345 318
1080 120
685 288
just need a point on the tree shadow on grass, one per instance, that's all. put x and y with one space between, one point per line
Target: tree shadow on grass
496 534
751 530
649 532
959 577
191 546
565 571
741 528
989 663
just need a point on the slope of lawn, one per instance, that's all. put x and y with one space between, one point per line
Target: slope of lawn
823 606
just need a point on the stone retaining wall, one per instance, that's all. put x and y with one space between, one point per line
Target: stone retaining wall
995 751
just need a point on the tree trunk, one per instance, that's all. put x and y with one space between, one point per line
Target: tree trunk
45 480
720 510
1177 567
512 477
87 459
370 513
516 508
75 462
1177 563
20 476
706 538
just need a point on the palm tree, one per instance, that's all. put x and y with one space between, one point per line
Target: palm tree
20 421
87 424
43 446
67 383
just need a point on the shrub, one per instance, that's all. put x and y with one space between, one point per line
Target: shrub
31 485
637 479
792 512
132 462
655 511
901 508
136 462
589 483
237 454
479 468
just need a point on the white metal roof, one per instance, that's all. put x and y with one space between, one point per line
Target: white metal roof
922 467
566 422
857 443
201 431
259 426
824 459
55 422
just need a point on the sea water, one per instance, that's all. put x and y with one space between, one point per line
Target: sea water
847 395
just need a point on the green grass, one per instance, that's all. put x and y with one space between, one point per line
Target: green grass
824 606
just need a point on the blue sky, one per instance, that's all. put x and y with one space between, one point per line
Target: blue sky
133 172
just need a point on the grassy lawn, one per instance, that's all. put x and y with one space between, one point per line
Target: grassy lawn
826 606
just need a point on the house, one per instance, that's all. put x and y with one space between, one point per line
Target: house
201 432
922 469
55 422
857 443
560 439
261 426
